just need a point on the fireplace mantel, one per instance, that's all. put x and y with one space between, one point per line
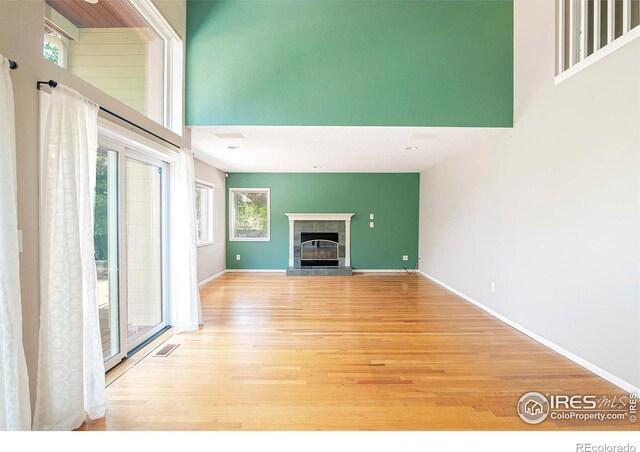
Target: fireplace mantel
346 217
319 216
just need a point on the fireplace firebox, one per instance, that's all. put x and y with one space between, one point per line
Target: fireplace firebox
319 249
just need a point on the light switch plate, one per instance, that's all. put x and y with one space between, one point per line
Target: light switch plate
371 224
371 216
237 257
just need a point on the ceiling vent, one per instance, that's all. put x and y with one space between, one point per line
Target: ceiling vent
228 135
425 136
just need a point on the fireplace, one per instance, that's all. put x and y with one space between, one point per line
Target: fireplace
319 249
319 244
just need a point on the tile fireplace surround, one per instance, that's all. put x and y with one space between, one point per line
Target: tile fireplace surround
339 223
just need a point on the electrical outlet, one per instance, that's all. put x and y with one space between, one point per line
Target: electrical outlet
371 216
405 258
493 287
371 224
237 257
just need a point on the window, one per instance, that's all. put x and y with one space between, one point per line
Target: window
204 212
124 48
55 48
587 30
249 210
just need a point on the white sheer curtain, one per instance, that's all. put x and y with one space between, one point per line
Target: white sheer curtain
70 364
15 408
187 313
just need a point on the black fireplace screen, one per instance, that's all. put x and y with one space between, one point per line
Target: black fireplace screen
319 248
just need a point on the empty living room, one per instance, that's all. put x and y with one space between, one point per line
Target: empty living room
392 223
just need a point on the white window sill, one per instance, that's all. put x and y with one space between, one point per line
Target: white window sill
601 53
211 242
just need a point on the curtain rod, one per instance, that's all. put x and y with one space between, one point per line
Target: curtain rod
53 84
12 64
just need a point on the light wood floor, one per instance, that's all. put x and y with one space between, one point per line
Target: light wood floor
368 352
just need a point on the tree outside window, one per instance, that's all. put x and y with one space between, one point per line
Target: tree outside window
249 214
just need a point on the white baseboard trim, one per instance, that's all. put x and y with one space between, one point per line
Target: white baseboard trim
211 278
256 270
626 386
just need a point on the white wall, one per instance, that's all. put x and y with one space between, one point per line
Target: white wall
550 210
212 258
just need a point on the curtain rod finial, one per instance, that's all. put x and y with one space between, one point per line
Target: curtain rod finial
50 83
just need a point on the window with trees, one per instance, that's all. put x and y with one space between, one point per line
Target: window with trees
249 210
55 48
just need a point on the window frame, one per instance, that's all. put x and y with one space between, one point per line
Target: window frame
234 190
172 58
173 62
210 220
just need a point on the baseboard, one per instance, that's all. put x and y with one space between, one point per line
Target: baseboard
626 386
252 270
202 283
256 270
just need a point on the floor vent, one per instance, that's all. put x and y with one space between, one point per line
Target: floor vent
164 351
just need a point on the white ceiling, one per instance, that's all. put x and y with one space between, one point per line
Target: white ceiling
333 149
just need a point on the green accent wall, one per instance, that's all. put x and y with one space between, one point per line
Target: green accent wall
350 63
392 198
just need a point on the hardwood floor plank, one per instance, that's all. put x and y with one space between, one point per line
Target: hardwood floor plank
368 352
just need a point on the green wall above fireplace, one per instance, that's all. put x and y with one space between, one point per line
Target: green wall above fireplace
350 63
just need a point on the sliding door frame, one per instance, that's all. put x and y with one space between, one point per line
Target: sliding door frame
114 145
135 154
128 144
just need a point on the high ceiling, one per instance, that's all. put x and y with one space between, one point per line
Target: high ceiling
332 149
104 14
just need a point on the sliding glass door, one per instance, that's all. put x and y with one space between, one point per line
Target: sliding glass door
130 237
105 239
146 220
